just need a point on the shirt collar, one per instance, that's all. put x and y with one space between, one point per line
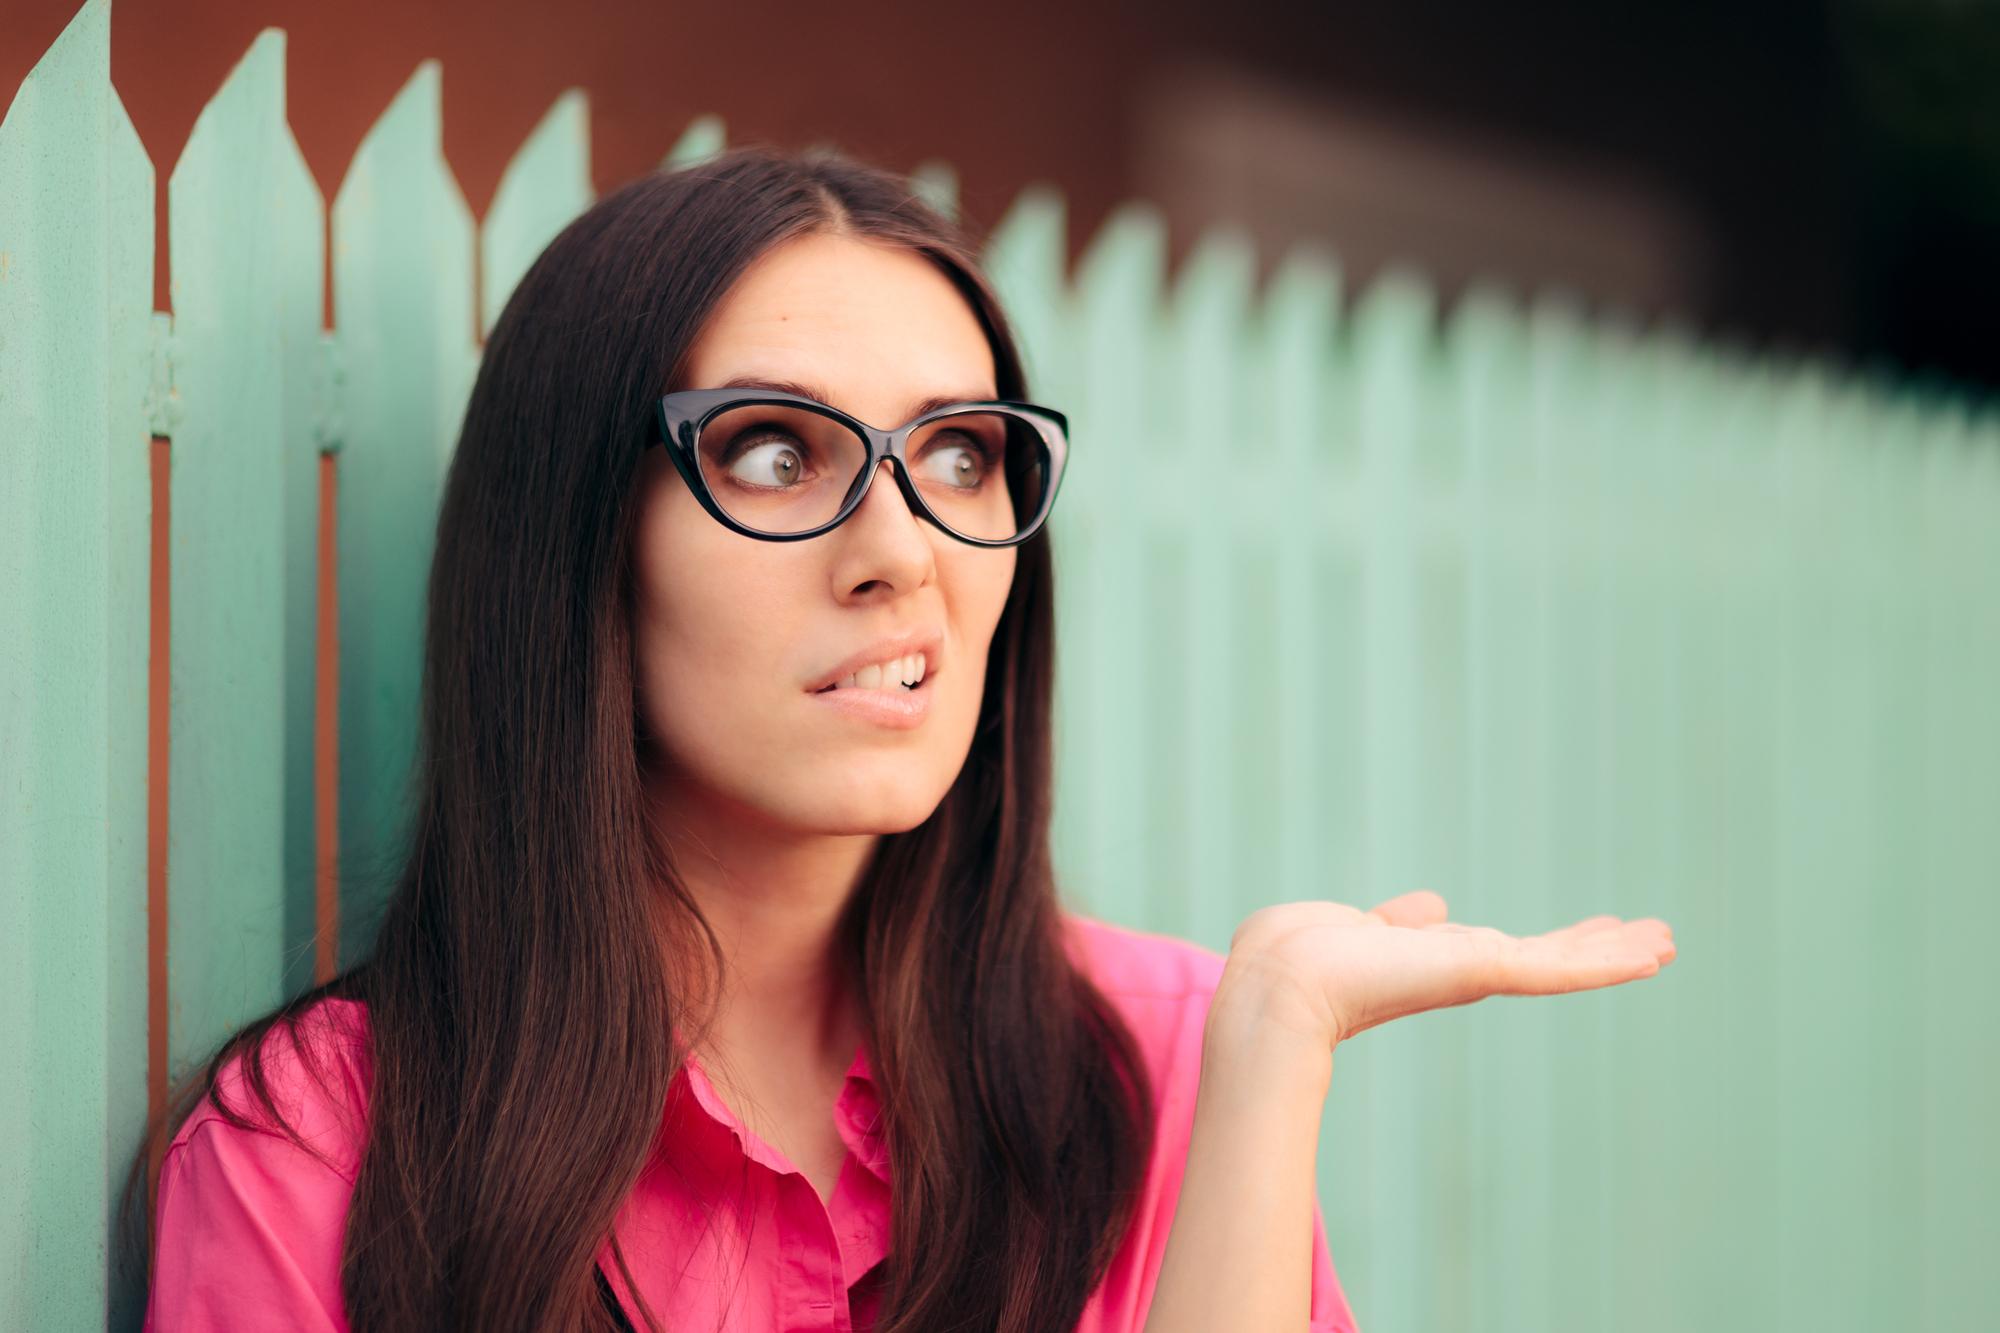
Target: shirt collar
857 1115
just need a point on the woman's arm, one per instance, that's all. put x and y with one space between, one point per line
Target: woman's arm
250 1228
1301 979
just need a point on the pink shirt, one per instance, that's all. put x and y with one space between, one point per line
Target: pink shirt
721 1231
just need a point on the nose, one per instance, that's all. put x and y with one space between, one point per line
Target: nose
883 549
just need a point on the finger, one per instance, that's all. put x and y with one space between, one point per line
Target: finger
1648 936
1603 957
1654 936
1595 925
1415 910
1603 935
1589 931
1539 970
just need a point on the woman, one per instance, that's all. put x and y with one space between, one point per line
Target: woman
725 984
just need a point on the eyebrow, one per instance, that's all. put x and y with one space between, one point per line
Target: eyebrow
819 395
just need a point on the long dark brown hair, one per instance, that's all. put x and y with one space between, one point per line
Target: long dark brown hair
538 956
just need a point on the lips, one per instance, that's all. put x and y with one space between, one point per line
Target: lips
883 685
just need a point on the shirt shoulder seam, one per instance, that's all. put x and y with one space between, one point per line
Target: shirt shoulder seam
215 1120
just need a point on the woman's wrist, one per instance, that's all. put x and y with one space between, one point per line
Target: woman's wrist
1263 1028
1241 1249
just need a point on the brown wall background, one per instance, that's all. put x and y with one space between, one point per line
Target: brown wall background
1838 156
1006 102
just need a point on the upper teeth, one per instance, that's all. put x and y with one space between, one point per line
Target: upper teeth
905 671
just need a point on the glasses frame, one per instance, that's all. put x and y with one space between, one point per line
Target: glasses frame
682 417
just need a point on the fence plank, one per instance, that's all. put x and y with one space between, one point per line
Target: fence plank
1571 439
1821 874
76 258
245 222
403 302
1100 823
1639 1088
703 141
1025 259
1393 328
1888 939
1727 681
129 190
1196 524
546 184
1486 344
1300 321
300 227
936 183
1961 989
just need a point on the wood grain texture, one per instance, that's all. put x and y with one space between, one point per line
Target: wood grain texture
76 223
247 228
403 303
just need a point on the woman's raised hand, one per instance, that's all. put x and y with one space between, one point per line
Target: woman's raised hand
1330 971
1300 980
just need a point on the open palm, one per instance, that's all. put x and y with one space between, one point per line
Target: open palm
1352 970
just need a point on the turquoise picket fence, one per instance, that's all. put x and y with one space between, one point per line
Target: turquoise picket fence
1550 613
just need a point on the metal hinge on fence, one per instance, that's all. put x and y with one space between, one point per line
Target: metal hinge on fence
163 403
329 386
164 409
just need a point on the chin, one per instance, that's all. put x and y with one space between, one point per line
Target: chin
861 809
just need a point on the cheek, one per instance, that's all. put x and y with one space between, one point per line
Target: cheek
710 626
976 583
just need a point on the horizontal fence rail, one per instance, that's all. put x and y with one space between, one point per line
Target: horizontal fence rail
1550 614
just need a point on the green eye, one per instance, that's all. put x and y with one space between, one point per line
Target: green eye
776 462
958 465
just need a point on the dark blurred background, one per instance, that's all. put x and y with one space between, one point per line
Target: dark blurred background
1811 176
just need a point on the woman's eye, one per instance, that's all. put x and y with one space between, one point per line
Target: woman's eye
957 464
775 461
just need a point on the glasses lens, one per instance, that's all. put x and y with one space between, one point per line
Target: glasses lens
779 469
982 473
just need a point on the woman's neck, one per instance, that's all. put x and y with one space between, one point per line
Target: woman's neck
786 1022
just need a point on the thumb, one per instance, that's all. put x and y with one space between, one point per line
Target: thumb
1414 910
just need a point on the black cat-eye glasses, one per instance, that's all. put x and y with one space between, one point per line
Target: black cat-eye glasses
782 468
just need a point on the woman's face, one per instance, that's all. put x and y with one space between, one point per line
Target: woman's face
768 671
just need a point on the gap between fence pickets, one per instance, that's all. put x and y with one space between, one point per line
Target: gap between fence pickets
159 694
163 416
329 432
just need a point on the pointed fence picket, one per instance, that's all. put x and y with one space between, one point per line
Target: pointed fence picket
1549 614
246 227
403 304
703 140
1298 331
1100 824
76 276
545 186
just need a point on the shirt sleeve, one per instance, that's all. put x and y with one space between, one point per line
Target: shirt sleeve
1329 1312
1161 988
250 1227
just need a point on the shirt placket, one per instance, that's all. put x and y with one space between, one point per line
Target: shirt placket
812 1258
814 1281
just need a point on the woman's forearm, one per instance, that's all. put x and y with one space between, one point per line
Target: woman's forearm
1240 1253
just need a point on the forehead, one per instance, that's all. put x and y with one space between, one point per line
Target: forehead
873 328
